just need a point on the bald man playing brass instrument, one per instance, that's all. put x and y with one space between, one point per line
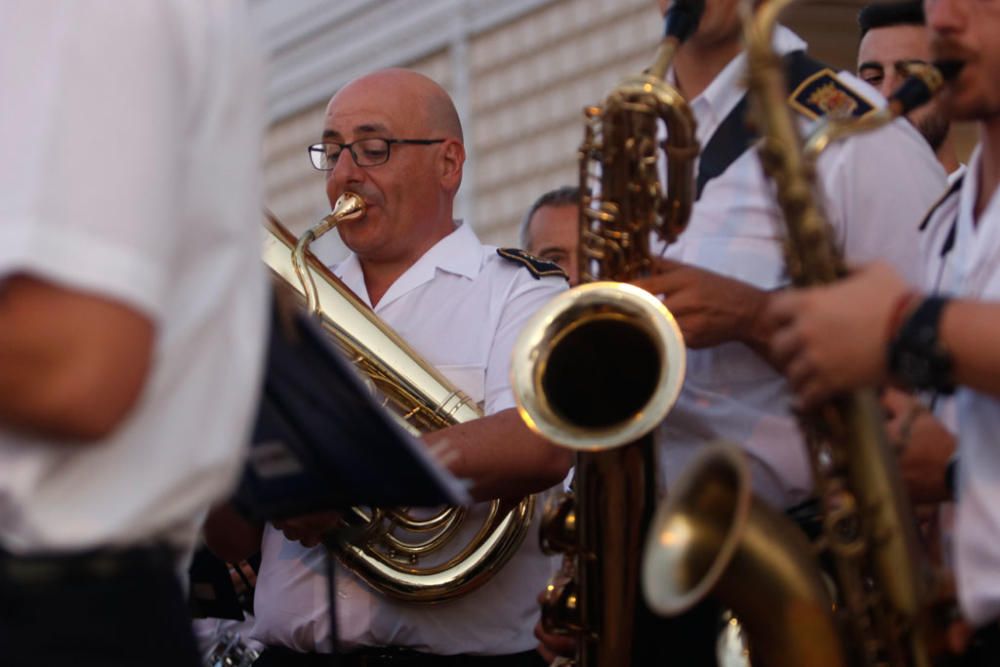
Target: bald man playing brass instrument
394 138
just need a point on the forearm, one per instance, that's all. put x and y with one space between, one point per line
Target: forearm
757 330
502 457
968 331
71 365
230 536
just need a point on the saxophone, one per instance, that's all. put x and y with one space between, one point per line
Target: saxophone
379 550
600 366
867 529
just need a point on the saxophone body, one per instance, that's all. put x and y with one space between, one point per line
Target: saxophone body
868 533
598 368
868 527
386 546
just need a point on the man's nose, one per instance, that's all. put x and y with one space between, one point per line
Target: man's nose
345 169
945 16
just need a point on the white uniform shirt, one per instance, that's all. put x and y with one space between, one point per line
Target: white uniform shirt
938 279
736 230
461 307
130 136
935 233
972 272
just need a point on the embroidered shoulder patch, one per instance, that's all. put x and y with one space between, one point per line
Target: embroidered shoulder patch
538 267
823 94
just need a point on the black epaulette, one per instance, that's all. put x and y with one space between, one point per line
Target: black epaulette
538 267
823 94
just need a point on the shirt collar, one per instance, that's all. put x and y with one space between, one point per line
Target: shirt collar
728 87
459 253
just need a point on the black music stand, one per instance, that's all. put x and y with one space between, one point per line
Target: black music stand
323 442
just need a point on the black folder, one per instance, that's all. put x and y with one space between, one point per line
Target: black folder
322 441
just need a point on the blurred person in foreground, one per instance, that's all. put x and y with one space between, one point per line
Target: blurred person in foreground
132 315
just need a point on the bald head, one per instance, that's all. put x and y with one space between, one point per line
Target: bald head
407 94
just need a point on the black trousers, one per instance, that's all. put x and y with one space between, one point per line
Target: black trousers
983 649
394 657
99 609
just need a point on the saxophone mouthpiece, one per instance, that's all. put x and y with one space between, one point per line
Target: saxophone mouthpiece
682 18
919 87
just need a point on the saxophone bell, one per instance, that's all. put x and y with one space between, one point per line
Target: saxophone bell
712 537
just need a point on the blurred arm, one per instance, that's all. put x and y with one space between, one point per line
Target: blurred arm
72 365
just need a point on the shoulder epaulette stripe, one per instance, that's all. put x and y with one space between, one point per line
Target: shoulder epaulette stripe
538 267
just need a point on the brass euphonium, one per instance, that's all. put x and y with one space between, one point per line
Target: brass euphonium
705 541
601 365
422 400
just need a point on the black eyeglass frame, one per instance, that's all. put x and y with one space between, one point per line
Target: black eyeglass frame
321 150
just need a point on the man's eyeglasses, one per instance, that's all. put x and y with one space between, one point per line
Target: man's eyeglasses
366 152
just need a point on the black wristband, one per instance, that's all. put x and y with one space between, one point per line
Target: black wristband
915 356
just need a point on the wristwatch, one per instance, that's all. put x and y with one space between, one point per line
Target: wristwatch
916 356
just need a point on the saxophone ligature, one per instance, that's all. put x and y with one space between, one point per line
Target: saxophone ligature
600 366
402 554
868 531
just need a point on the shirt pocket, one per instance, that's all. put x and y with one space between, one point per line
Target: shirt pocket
470 378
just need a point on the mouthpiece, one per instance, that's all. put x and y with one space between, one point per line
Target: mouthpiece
919 87
682 18
348 206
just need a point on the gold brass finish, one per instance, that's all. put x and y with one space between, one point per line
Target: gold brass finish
621 339
623 198
401 553
601 365
868 529
711 536
579 326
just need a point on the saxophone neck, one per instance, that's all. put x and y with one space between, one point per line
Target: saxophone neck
680 23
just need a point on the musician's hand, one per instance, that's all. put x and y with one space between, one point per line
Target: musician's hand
308 529
924 446
710 308
830 339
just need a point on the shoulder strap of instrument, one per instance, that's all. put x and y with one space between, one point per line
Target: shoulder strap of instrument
949 239
735 135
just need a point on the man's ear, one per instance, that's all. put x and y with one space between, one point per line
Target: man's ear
452 159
